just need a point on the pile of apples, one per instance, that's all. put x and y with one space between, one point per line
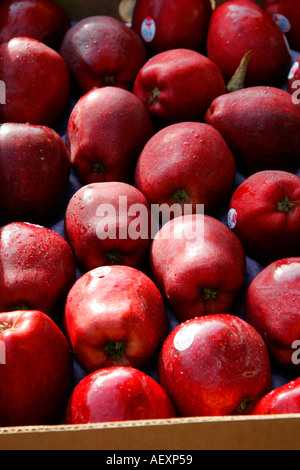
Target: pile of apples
192 106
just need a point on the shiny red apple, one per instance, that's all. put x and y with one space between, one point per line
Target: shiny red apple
36 80
37 269
165 24
272 307
282 400
118 394
264 214
286 14
34 173
44 20
115 316
199 266
240 26
36 370
214 365
102 51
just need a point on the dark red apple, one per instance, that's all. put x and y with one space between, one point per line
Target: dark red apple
37 269
44 20
286 13
272 307
115 316
198 264
213 366
107 130
261 126
34 173
37 82
282 400
240 26
293 83
181 165
264 214
109 223
118 394
36 370
168 85
165 24
102 51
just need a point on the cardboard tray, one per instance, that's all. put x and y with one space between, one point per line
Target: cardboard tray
181 434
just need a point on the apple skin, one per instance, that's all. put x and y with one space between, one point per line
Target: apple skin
240 26
267 215
201 275
115 316
37 269
107 130
272 307
178 24
37 82
118 394
289 9
282 400
168 85
214 365
102 51
44 20
36 379
274 144
96 245
181 164
293 82
34 173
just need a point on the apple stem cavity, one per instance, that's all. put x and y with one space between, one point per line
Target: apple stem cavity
155 95
286 206
99 168
209 293
109 80
114 258
115 349
238 80
180 196
5 326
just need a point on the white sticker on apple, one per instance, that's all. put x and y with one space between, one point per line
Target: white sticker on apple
294 70
283 22
232 218
184 339
101 272
148 29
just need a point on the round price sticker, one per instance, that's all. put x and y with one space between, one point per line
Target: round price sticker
184 339
148 29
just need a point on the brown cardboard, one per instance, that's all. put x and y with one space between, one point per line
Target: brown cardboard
182 434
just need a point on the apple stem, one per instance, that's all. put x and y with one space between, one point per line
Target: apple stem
180 196
209 293
99 168
109 80
114 258
115 349
4 326
243 406
155 94
285 206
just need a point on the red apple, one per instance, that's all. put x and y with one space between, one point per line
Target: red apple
240 26
282 400
261 126
37 82
109 223
198 264
181 165
102 51
34 173
286 12
265 210
115 316
118 394
36 370
44 20
37 269
165 24
272 307
293 84
107 130
168 85
213 366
